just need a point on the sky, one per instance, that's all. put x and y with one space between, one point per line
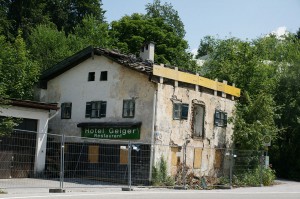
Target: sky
244 19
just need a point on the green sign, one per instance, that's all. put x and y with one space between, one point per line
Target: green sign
111 132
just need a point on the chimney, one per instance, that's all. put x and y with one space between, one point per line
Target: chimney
147 51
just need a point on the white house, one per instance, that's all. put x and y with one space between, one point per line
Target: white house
111 96
23 153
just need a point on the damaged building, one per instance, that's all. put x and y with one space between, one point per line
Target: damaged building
118 98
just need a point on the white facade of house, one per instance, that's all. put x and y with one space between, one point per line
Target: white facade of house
122 84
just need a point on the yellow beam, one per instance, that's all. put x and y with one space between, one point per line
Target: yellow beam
194 79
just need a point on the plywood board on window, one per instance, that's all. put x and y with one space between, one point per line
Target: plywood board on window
174 159
93 155
218 158
197 158
123 156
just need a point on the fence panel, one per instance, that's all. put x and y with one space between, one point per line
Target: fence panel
247 169
21 158
75 162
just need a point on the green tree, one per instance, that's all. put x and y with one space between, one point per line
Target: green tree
25 15
93 32
267 70
168 14
65 14
287 148
48 46
132 31
206 47
18 73
78 9
237 61
5 23
298 34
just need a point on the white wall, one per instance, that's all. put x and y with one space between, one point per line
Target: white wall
41 140
123 83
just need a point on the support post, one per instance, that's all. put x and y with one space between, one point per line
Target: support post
129 165
231 168
62 162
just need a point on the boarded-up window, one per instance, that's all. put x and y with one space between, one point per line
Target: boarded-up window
93 156
175 159
198 121
123 155
218 158
197 158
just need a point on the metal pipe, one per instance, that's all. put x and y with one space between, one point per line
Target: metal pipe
152 135
129 165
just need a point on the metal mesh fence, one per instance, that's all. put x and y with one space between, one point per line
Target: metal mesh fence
56 161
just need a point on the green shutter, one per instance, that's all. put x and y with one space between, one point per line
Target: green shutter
88 109
176 111
184 111
103 109
217 118
225 119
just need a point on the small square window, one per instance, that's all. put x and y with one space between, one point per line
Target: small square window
91 76
103 76
220 118
128 108
180 111
66 110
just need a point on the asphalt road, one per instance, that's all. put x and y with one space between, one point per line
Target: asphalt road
285 190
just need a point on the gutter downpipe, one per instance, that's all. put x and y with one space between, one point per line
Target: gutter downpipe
152 135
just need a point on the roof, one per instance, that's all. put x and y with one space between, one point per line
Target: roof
32 104
129 61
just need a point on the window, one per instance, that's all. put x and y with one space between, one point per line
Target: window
128 108
96 109
66 110
198 120
180 111
103 76
220 118
91 76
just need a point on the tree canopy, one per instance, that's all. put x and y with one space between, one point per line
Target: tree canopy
132 31
267 70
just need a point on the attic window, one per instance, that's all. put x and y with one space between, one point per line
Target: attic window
91 76
103 76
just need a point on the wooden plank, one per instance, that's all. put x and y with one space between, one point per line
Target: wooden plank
197 158
174 160
123 156
194 79
93 154
218 158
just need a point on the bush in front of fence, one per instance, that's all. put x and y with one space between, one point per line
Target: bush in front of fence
254 177
160 175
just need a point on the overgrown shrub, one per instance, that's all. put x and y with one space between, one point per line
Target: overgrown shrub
253 177
160 176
